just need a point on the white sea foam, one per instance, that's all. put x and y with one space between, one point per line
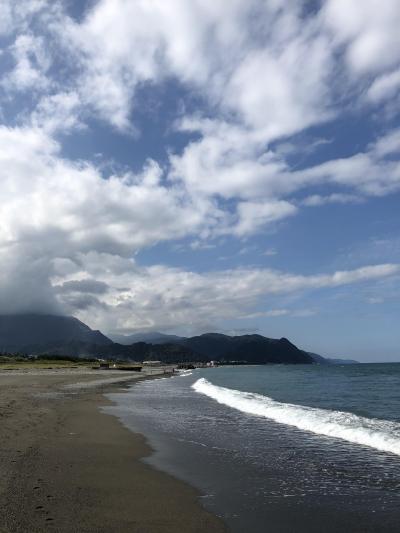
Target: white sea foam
185 374
382 435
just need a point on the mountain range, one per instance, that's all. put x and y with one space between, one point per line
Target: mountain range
68 336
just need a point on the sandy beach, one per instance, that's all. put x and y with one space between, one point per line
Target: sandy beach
66 466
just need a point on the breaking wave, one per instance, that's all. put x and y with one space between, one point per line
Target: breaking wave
382 435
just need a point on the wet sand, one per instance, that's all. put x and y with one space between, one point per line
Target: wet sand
66 466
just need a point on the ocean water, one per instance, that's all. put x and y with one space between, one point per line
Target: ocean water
279 448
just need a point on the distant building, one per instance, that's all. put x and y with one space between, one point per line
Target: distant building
152 363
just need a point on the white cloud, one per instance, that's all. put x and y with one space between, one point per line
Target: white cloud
53 208
56 214
270 252
267 314
369 31
384 87
201 245
388 144
164 297
278 84
253 216
302 146
123 44
227 161
281 91
368 173
18 15
66 230
273 313
43 192
334 198
374 300
31 63
230 162
5 16
264 63
58 113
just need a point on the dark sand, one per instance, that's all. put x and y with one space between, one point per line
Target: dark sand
65 466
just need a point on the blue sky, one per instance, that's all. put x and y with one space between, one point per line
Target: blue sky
196 166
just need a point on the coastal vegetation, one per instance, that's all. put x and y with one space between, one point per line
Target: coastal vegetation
10 361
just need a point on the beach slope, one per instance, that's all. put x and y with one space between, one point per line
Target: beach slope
65 466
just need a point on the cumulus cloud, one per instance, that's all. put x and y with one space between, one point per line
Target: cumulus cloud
54 209
44 194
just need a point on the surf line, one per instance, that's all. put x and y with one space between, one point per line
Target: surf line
382 435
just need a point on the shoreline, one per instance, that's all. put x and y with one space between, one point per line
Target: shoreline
255 472
68 466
